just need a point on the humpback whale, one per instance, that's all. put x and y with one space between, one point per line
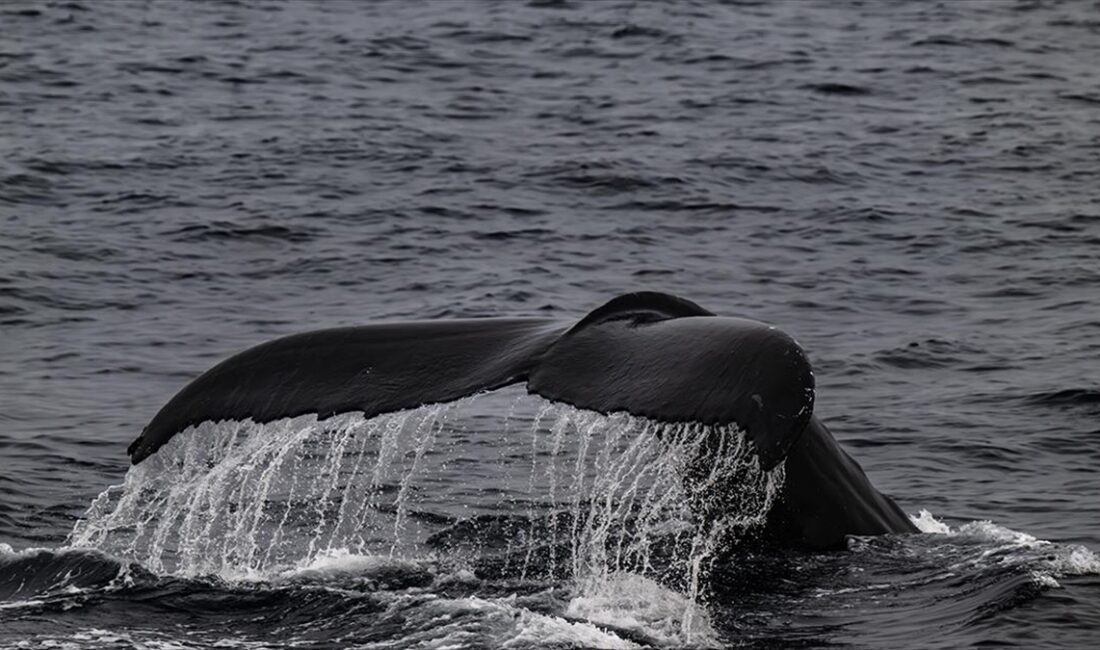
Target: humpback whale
650 354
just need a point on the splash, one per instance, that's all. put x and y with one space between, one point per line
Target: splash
990 544
656 499
638 605
594 498
244 500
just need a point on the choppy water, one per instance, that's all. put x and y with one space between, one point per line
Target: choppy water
909 188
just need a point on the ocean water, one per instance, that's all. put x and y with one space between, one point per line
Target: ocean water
910 189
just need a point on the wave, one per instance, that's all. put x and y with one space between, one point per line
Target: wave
1088 398
226 231
595 509
340 591
1002 547
371 530
35 576
948 578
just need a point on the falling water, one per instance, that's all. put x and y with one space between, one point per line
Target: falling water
624 494
596 497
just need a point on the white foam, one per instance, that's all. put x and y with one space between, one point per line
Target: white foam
1074 561
7 552
458 577
638 604
538 630
17 604
926 523
341 563
987 531
93 637
1045 580
1052 560
100 638
473 622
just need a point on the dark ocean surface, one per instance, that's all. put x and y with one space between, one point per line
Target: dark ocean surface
910 189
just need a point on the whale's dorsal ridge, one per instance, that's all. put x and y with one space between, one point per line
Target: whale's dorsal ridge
641 307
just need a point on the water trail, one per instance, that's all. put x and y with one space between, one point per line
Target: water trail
598 497
649 498
243 499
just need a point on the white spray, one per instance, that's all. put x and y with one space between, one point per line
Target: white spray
242 500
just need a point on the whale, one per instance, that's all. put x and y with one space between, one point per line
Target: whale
650 354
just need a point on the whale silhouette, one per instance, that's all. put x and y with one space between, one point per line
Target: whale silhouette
650 354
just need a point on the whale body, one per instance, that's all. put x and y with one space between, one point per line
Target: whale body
650 354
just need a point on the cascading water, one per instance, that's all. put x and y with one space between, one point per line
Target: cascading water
586 497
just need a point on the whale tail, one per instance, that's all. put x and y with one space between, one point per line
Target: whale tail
650 354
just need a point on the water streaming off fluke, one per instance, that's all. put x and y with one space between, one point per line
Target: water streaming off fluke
579 496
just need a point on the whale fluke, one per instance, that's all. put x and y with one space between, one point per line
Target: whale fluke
375 369
649 354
